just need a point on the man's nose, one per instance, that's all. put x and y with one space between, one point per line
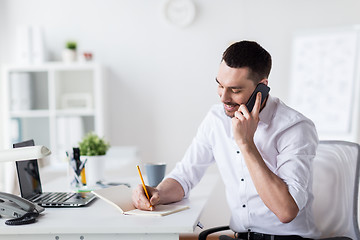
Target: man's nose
225 96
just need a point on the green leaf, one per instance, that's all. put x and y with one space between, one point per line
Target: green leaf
93 145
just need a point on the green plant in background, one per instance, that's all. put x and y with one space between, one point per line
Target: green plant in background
93 145
71 45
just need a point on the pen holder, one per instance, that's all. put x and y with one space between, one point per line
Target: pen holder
76 174
95 167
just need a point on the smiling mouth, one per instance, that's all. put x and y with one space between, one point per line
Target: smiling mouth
231 107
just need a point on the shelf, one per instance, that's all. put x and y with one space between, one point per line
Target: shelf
75 112
46 113
29 113
54 66
54 103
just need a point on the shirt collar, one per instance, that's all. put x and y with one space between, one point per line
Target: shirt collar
267 112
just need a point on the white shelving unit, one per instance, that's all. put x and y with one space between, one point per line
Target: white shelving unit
66 101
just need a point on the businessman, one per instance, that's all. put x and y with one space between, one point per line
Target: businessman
264 156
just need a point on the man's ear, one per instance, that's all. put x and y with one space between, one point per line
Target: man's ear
264 81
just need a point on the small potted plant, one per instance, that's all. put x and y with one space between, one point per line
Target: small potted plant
69 53
93 148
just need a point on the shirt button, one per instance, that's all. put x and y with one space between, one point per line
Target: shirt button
244 206
237 152
242 179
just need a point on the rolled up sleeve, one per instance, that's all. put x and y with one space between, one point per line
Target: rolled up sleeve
297 148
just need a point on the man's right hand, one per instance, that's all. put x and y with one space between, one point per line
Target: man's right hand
168 191
140 200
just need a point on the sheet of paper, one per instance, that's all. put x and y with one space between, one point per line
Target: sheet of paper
160 210
118 196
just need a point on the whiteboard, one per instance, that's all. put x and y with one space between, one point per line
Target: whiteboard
324 80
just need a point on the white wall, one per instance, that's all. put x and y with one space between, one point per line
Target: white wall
162 77
2 53
1 57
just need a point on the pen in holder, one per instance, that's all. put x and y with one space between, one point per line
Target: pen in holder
77 170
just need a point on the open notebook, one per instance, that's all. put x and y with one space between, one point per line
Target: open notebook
120 197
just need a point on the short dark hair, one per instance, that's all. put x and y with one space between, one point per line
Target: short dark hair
249 54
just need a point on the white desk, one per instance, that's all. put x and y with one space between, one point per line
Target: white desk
100 220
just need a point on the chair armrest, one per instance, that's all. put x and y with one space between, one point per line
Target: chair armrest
205 233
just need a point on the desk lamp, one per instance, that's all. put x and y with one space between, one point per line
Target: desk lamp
24 153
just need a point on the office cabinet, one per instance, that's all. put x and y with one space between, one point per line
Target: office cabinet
54 103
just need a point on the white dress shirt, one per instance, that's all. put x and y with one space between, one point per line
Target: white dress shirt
287 142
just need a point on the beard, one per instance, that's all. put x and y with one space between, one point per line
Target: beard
230 112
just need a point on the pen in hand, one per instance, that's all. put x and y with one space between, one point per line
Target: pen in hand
143 184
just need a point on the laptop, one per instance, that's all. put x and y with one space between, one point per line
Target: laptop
30 186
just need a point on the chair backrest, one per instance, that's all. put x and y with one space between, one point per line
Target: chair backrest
335 188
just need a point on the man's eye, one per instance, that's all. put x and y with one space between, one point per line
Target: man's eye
236 91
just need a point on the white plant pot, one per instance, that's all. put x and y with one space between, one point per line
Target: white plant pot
94 169
69 55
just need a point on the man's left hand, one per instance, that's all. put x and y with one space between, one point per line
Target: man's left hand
245 123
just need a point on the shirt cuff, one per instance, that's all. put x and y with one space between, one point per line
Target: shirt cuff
299 195
182 183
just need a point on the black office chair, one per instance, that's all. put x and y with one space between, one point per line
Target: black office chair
335 189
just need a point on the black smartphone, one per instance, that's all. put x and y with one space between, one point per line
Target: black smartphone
264 92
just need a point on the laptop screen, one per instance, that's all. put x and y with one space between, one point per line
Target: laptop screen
28 173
